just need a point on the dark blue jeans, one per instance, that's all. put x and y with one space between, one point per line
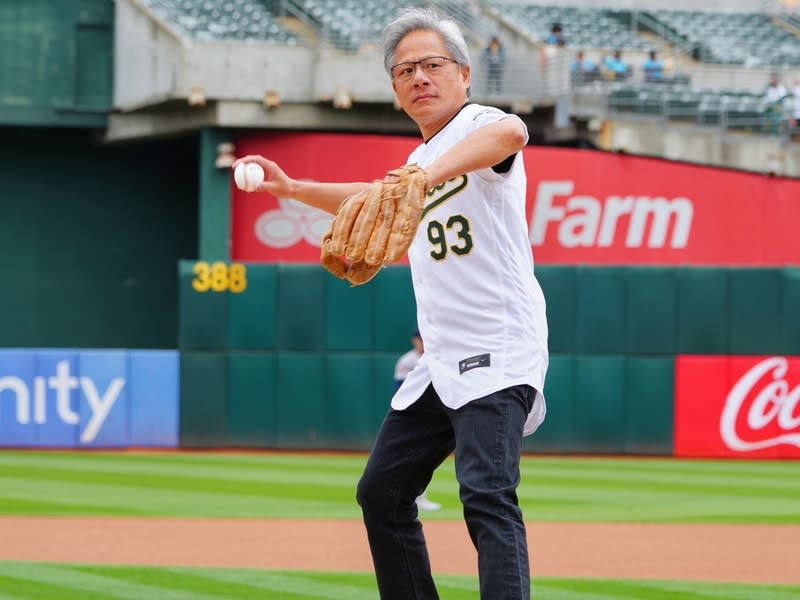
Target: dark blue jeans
486 435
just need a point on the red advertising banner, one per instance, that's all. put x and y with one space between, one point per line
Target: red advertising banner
584 206
737 406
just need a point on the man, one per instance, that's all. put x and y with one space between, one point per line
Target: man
653 68
477 389
405 364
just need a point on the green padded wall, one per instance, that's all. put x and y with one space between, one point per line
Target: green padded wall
311 359
349 316
396 316
557 433
204 399
348 411
790 343
90 249
755 311
560 288
599 404
601 327
301 307
252 313
649 413
702 311
301 394
251 400
203 321
651 302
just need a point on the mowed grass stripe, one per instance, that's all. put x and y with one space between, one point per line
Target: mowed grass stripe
266 485
73 580
619 589
189 459
167 476
68 582
137 500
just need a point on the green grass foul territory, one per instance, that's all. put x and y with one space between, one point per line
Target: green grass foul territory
199 484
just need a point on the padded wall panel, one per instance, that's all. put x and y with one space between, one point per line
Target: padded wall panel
601 323
204 397
252 406
252 313
599 404
349 315
651 310
301 392
301 307
557 433
203 316
349 401
649 391
755 312
560 287
395 309
790 344
702 311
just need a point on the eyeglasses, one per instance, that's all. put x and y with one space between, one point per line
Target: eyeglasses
432 66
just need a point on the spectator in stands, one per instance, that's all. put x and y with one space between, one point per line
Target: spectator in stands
794 122
774 95
615 67
775 91
494 61
584 69
653 68
556 37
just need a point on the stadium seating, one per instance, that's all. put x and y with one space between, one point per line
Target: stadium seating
735 109
347 24
223 20
583 27
734 38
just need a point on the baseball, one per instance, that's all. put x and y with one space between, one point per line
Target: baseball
248 176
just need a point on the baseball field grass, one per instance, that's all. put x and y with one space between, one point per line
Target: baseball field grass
320 486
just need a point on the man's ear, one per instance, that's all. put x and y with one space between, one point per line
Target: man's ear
466 74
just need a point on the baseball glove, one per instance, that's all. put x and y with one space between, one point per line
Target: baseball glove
375 226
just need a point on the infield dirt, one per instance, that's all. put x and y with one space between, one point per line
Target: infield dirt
735 553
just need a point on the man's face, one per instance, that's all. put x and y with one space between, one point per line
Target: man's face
430 98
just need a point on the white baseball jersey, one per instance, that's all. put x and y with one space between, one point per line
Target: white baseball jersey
480 310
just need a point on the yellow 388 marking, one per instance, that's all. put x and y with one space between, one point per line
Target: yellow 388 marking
219 277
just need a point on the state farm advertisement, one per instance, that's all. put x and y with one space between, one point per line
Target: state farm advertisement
737 406
584 206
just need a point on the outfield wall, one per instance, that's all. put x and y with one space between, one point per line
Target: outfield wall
295 358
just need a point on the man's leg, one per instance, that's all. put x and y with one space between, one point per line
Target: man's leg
409 447
488 449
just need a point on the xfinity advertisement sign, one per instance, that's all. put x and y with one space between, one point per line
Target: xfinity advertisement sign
89 398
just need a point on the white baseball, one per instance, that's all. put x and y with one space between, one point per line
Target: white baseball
248 176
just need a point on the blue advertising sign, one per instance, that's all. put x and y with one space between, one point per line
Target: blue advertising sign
52 398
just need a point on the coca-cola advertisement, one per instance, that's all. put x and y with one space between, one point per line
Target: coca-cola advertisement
584 206
737 406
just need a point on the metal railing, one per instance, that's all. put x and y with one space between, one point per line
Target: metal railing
743 113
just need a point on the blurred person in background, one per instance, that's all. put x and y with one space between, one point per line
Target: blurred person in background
405 364
494 61
584 69
795 120
774 95
653 68
556 36
615 67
